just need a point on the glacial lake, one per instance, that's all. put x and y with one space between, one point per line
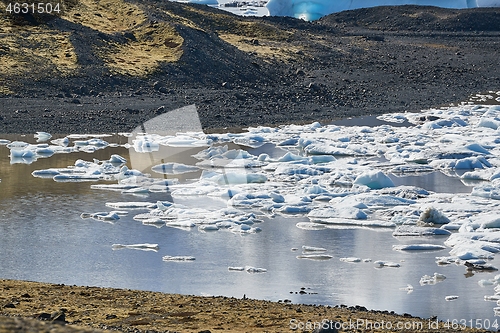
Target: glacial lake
44 238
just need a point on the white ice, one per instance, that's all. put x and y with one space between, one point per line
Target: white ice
431 280
381 264
174 168
418 247
315 256
178 258
142 247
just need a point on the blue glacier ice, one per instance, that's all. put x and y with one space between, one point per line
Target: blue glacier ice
314 9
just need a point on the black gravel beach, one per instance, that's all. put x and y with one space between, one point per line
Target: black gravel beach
237 71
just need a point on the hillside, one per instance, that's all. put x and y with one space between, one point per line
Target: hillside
108 66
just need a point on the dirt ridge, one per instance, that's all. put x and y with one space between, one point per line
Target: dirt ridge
239 71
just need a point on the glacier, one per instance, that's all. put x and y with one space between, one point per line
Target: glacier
311 10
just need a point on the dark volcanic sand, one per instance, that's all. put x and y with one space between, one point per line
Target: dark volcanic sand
368 61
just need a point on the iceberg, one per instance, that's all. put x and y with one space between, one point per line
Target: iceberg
311 10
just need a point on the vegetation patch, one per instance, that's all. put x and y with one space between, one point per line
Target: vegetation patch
107 16
145 49
35 50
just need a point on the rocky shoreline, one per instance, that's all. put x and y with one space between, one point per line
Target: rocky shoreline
91 309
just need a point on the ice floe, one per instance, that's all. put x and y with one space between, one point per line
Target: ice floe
248 269
408 288
381 264
315 256
178 258
142 247
431 280
350 259
418 247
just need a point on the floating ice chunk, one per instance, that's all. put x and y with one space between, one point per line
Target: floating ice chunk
351 259
290 157
63 142
315 256
22 153
129 205
393 118
44 152
451 298
143 247
210 152
244 229
236 178
77 178
310 226
91 142
487 191
117 159
489 123
113 187
249 140
42 136
312 249
186 141
475 162
251 269
17 145
406 192
467 249
46 173
181 224
4 142
375 200
320 214
418 247
476 147
490 221
178 258
297 169
295 208
208 227
358 223
412 168
431 216
431 280
104 216
380 264
408 288
374 179
415 231
136 190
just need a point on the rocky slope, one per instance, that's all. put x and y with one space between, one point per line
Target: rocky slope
109 66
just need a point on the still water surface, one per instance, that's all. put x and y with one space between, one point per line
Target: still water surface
43 238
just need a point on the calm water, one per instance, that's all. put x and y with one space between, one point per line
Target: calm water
43 238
